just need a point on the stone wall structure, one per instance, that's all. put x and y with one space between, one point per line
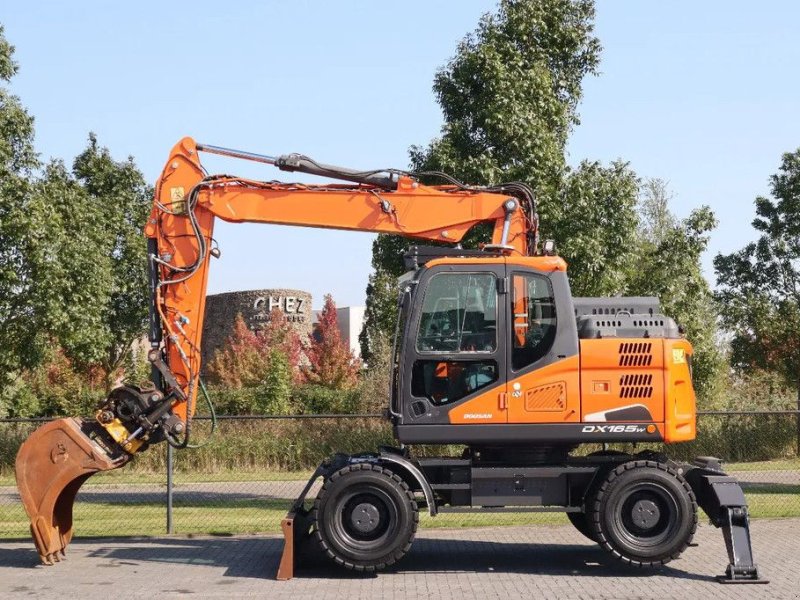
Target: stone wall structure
255 307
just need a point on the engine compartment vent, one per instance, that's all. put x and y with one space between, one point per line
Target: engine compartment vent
635 354
624 325
638 385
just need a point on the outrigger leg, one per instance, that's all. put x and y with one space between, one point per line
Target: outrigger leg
722 499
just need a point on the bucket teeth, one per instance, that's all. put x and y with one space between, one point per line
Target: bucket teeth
51 466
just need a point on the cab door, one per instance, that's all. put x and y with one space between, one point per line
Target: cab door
455 354
543 363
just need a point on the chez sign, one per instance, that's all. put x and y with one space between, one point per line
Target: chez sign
293 307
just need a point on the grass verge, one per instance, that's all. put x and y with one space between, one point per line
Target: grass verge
242 516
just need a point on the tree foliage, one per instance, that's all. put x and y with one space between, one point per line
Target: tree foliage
381 308
331 363
53 388
17 162
72 255
246 357
759 285
509 98
374 388
256 371
668 266
594 227
122 197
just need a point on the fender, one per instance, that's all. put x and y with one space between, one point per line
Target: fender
407 467
415 473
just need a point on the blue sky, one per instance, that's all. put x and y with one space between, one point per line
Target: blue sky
702 94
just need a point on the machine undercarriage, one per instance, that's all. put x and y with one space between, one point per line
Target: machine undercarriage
641 508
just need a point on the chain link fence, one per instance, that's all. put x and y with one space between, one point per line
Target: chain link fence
244 478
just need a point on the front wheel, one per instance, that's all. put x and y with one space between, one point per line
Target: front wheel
644 513
365 517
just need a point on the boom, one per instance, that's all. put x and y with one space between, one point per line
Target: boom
180 244
186 203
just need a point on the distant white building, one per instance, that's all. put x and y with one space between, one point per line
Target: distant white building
351 321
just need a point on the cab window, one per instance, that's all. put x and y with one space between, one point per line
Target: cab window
447 381
459 314
534 322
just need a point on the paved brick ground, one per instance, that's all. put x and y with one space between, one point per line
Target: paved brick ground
530 562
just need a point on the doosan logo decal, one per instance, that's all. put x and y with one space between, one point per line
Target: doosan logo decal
478 416
614 429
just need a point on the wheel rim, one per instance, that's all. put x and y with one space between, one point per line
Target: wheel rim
366 519
647 515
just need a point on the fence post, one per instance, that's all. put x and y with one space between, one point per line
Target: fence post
169 488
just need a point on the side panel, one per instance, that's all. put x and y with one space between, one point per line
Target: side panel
622 380
543 381
546 395
680 411
489 407
527 434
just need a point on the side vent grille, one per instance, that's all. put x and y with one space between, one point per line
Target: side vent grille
546 397
635 354
636 386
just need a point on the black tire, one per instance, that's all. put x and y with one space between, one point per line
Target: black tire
580 520
365 517
644 513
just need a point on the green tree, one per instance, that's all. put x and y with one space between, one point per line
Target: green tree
759 286
70 274
85 255
274 395
375 386
656 218
595 227
72 259
17 162
122 196
668 253
510 94
509 98
51 271
380 313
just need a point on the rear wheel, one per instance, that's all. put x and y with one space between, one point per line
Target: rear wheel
365 517
644 513
581 520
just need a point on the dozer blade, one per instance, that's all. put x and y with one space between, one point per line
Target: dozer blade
51 466
295 527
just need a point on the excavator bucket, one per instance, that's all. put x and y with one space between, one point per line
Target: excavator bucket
51 466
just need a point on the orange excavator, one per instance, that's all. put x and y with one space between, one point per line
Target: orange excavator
491 352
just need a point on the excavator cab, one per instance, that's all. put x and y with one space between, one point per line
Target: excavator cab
479 332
